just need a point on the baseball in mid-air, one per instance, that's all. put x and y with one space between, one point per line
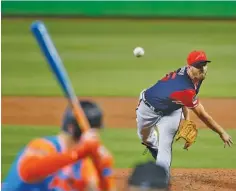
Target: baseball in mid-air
138 51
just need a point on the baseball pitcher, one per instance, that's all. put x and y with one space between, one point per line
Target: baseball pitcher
163 110
61 163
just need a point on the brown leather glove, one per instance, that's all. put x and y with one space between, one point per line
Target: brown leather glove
187 131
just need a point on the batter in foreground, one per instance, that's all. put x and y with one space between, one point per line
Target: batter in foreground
163 110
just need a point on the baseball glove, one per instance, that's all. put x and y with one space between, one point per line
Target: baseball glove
188 131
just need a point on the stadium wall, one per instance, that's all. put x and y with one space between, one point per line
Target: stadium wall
151 9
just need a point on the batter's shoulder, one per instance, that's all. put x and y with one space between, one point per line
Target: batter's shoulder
40 145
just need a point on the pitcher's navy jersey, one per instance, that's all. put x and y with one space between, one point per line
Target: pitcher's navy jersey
173 91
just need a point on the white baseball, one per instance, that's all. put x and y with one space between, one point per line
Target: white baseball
138 51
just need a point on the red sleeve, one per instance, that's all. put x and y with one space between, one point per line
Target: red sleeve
187 98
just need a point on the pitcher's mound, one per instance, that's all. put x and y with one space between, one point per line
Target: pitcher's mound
191 179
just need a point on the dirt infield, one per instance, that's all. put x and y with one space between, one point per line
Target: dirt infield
120 112
192 179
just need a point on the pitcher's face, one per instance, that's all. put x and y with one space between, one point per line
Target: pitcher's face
200 72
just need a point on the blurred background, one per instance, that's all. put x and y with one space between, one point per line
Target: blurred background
96 44
96 41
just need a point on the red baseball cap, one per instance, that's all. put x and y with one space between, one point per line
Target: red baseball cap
197 58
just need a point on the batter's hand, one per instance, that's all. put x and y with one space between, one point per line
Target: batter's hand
226 138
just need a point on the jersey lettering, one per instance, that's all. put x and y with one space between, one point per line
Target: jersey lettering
181 71
178 102
65 179
171 75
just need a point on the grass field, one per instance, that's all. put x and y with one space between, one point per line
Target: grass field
207 152
99 59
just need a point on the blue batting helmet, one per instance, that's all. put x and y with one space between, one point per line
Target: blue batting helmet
93 113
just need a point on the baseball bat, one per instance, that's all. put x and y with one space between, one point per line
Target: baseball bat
53 59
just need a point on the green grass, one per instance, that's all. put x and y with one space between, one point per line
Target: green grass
98 55
207 152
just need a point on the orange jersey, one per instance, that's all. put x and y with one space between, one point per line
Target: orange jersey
44 164
76 177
